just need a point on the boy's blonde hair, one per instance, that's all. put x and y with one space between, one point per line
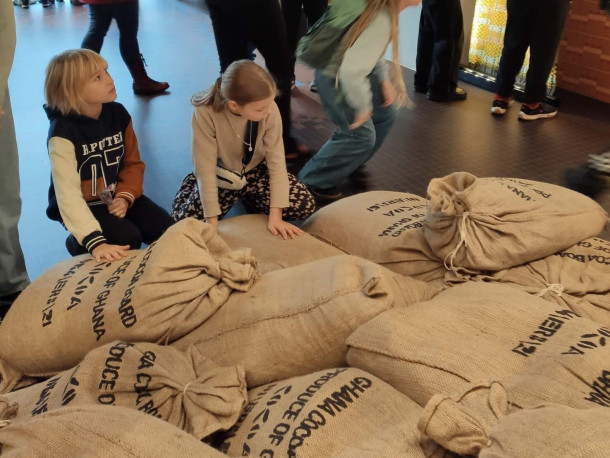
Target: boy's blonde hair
66 75
243 82
370 12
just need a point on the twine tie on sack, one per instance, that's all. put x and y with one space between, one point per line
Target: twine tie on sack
186 387
556 288
462 231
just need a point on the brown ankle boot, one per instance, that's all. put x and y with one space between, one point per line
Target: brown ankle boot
142 84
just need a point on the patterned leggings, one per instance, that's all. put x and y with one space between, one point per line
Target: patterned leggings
255 196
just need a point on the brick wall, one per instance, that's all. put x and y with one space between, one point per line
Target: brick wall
584 52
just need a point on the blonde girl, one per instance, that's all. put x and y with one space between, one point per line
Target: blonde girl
96 171
358 94
238 153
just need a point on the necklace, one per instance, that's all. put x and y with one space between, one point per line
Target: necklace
249 145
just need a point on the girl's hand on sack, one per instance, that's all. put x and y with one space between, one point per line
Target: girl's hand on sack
107 252
118 207
389 93
212 221
360 119
277 226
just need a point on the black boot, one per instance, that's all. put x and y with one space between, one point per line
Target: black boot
142 84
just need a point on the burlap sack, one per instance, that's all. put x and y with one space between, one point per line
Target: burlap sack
189 391
153 295
272 252
98 431
295 321
577 277
574 372
382 226
471 332
496 223
337 412
550 430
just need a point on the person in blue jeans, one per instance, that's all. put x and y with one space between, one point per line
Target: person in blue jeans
358 95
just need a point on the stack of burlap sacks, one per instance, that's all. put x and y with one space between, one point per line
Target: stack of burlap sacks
473 322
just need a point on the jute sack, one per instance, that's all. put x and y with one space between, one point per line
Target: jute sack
336 412
295 321
550 430
496 223
382 226
188 391
272 252
98 431
577 277
471 332
574 372
153 295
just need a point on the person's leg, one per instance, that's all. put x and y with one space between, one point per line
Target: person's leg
346 150
187 202
425 49
150 219
445 22
230 31
100 17
291 10
257 196
383 117
126 17
267 31
13 274
314 9
457 36
550 19
516 41
118 231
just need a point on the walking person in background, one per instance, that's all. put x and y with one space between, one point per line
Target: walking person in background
238 153
96 172
537 25
357 93
439 50
126 15
13 274
291 9
237 23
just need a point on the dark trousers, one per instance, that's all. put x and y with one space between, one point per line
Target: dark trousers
238 22
144 222
291 9
126 16
439 46
538 25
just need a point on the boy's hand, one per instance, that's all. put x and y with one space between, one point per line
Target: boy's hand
108 252
118 207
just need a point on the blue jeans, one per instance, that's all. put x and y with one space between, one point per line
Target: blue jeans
347 149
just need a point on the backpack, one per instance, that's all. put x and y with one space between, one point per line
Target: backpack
318 46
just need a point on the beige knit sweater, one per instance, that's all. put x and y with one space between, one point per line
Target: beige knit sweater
215 141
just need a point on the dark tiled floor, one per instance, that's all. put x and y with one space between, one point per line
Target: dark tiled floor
177 40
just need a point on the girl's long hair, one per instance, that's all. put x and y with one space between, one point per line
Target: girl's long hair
243 82
370 12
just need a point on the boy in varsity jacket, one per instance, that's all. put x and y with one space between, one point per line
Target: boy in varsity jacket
96 171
